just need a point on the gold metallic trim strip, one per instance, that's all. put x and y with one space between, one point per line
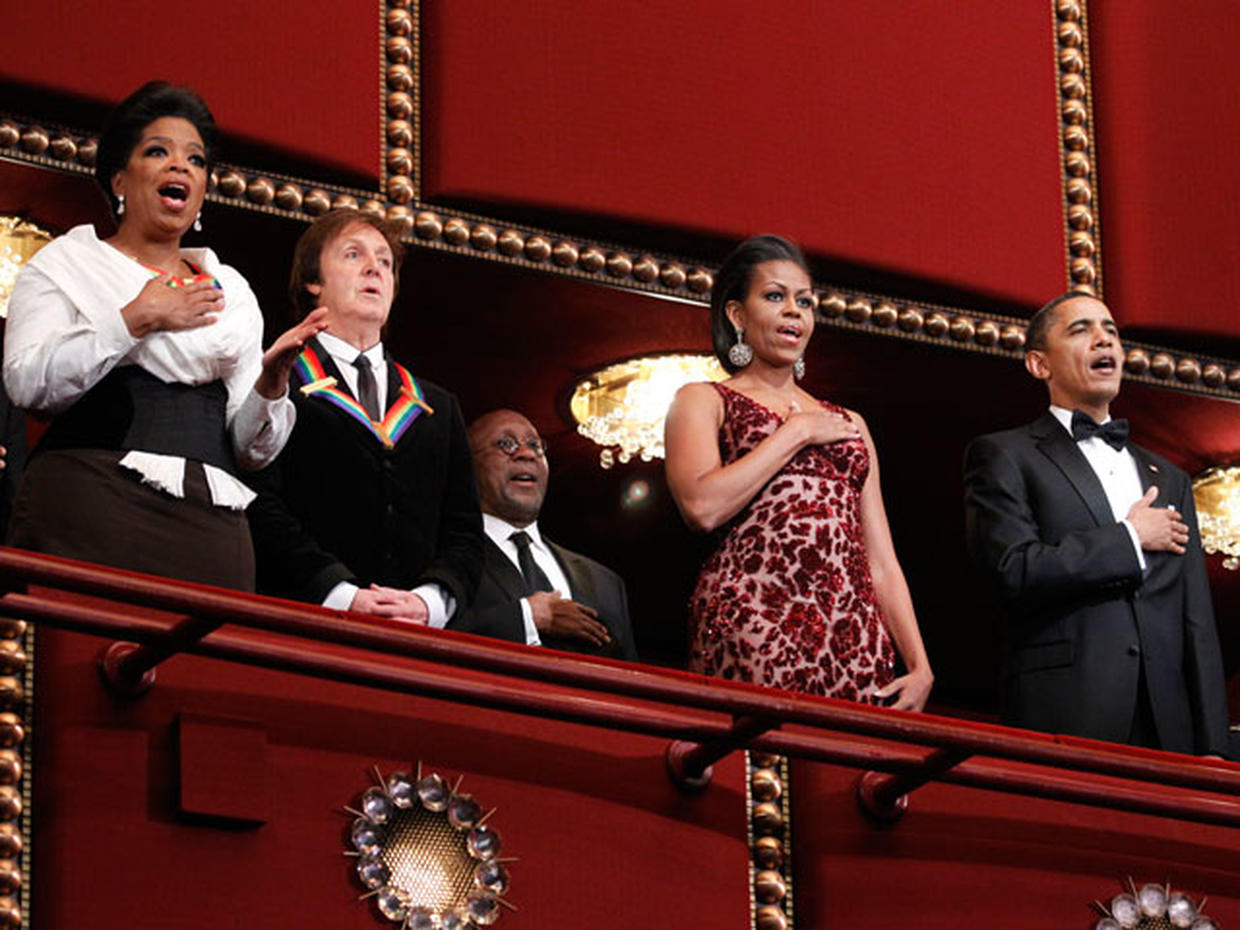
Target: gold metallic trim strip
771 901
1078 173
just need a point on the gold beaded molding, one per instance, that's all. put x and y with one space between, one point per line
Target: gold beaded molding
429 226
770 842
1082 232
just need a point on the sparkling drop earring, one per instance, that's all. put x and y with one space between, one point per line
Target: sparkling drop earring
798 368
740 354
198 222
120 204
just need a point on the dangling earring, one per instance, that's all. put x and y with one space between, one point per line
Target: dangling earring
798 368
740 354
120 204
198 222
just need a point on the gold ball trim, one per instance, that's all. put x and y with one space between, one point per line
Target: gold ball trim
402 217
770 917
10 134
1083 270
768 887
1069 10
231 184
1188 370
987 333
10 773
1079 191
1072 86
1082 244
375 208
399 22
700 280
768 852
10 803
1076 138
510 243
483 237
673 275
12 657
645 269
10 878
316 202
35 140
400 133
88 150
63 148
400 77
10 841
1213 375
766 785
1071 60
768 819
859 310
260 191
399 160
400 189
832 305
937 324
427 225
344 202
885 315
1080 217
289 197
962 329
1012 337
619 265
1075 113
1162 365
1137 361
1078 164
564 253
911 319
592 260
1233 379
399 105
1070 33
456 231
399 50
537 248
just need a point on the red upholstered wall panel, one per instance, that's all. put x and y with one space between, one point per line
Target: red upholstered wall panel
303 79
1168 146
917 137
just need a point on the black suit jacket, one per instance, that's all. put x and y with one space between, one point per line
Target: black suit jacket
1082 618
496 611
337 505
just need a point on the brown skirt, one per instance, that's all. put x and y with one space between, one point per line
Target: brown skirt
81 504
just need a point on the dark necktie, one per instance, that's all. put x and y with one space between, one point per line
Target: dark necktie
534 577
367 390
1114 432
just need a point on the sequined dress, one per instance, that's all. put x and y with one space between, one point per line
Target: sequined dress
786 599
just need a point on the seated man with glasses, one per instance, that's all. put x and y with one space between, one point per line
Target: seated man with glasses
533 591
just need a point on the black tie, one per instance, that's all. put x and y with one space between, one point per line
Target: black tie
534 577
367 390
1113 432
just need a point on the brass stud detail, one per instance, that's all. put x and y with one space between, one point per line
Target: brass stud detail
402 217
564 253
770 917
911 319
592 260
859 310
399 22
316 202
399 160
1081 243
1078 164
400 189
10 914
10 803
231 184
1079 191
987 333
483 237
10 772
11 692
374 208
11 628
88 150
399 105
400 133
1012 337
63 148
1076 138
937 324
344 202
1080 217
399 50
962 329
288 197
537 248
1188 370
1213 375
1162 365
10 841
10 134
1070 34
763 760
1068 10
35 140
12 657
1233 379
645 269
672 275
766 785
1072 86
400 77
769 887
1071 60
456 231
11 730
427 225
768 852
767 818
10 878
1137 361
885 315
832 305
1075 113
619 265
510 243
700 280
260 190
1083 270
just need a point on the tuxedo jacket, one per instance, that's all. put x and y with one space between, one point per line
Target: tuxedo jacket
338 505
496 611
1083 619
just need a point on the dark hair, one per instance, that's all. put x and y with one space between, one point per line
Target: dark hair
733 280
150 102
1040 322
309 251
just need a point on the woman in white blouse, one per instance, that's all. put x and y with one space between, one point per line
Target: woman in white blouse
149 357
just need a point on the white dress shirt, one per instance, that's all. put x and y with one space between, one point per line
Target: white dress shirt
500 533
440 604
1117 472
65 333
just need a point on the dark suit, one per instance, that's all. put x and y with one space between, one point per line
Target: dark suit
337 505
496 611
1082 618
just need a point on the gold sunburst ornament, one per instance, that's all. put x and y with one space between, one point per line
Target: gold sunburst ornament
1153 907
425 855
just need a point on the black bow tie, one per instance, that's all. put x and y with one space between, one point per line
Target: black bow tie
1114 432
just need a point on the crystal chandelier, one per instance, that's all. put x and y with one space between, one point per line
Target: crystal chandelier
1216 493
19 240
622 407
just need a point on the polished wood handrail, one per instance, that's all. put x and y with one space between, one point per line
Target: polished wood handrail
715 716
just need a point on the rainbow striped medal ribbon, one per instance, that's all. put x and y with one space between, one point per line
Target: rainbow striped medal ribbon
410 405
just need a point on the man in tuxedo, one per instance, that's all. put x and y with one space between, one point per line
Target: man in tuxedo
533 591
1092 544
371 506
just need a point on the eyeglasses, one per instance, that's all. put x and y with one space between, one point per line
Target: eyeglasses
509 446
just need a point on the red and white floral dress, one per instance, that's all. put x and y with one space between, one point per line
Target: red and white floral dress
787 599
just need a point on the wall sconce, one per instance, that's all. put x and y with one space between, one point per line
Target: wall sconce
19 240
622 407
1216 493
425 854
